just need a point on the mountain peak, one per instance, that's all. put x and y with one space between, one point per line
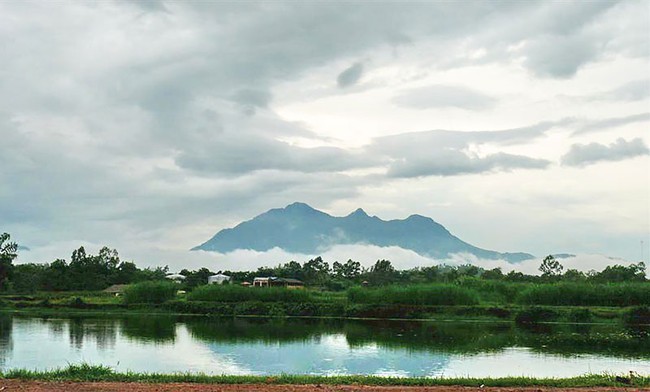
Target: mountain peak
358 212
417 217
298 206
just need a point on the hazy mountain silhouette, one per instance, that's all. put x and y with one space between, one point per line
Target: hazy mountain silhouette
299 228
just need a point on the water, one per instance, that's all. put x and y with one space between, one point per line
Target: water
323 347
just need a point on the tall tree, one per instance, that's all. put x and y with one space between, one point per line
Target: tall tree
350 270
382 272
551 267
8 252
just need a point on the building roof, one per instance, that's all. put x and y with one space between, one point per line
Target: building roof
175 276
276 279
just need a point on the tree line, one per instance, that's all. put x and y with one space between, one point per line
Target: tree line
88 272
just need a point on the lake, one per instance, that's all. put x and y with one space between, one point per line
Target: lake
320 347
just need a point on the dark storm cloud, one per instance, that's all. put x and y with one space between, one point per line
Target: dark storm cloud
350 75
588 154
442 96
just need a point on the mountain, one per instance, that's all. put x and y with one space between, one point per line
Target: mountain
299 228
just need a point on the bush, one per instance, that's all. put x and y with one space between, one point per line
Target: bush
494 291
535 315
572 294
150 292
76 302
638 316
439 294
580 316
229 293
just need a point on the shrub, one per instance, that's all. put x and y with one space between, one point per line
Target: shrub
494 291
155 292
580 316
76 302
572 294
638 316
439 294
229 293
535 315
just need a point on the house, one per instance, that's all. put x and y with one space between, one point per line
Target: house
116 289
273 281
178 278
218 279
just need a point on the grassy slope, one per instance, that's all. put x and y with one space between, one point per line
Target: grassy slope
85 372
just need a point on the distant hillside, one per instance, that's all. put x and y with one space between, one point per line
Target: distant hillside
299 228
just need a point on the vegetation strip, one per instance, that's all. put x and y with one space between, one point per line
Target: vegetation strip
86 372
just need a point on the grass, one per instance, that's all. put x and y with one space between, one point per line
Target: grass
421 294
150 292
93 373
233 293
574 294
469 299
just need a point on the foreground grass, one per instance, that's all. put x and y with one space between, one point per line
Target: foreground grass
93 373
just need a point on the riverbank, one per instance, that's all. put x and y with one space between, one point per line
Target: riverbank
478 313
85 374
54 386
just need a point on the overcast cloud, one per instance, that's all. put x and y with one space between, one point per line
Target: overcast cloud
158 123
587 154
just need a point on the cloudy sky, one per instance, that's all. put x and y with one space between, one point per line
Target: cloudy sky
148 126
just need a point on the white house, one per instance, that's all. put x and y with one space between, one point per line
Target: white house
178 278
218 279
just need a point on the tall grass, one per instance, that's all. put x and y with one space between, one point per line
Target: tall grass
575 294
231 293
494 291
424 294
155 292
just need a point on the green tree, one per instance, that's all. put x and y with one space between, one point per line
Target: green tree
620 273
8 252
550 267
573 275
350 270
90 272
196 278
292 269
493 274
382 272
316 271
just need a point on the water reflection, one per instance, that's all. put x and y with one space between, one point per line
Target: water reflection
312 346
6 341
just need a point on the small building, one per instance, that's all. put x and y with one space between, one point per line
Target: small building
116 289
218 279
178 278
246 284
273 281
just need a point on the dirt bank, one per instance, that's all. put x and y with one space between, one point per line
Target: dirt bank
41 386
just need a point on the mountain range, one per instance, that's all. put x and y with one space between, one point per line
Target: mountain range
299 228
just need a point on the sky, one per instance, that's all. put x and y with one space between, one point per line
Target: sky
147 126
